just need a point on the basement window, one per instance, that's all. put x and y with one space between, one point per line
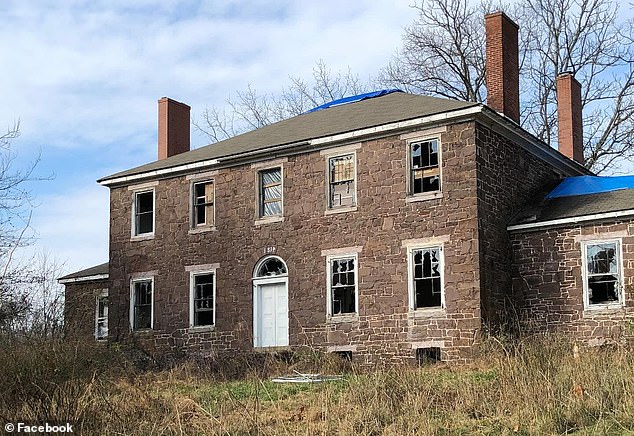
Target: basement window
426 286
602 274
142 304
203 294
425 356
203 204
424 167
143 213
270 192
342 285
101 316
341 181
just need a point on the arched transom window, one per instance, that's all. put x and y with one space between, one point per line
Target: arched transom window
271 266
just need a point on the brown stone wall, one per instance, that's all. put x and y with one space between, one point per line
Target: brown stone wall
548 286
508 177
385 328
80 307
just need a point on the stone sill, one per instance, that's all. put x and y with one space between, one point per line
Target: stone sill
340 210
268 220
202 229
433 312
201 329
272 349
604 310
142 332
423 197
143 237
338 319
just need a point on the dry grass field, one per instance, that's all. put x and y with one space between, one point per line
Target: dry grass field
537 386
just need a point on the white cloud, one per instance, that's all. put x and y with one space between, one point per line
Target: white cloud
84 77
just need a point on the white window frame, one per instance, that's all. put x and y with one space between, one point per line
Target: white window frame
410 276
132 302
329 294
329 206
260 193
103 293
192 205
585 277
411 196
135 234
192 276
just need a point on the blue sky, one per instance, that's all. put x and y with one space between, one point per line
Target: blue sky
84 76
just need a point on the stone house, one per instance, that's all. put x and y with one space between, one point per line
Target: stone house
392 227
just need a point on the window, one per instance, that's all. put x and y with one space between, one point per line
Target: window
101 316
424 167
143 213
203 299
342 283
203 204
141 313
270 201
341 181
426 277
602 281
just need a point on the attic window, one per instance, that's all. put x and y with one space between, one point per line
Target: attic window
424 167
602 274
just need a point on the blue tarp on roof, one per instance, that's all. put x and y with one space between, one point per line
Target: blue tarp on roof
584 185
354 98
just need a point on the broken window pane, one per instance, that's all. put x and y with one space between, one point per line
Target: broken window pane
427 280
603 275
144 212
271 192
101 331
142 312
203 299
342 183
271 267
203 204
342 285
425 171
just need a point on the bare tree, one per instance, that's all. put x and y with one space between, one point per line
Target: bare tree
15 232
443 54
248 110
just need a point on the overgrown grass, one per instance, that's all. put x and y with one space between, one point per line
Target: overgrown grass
534 387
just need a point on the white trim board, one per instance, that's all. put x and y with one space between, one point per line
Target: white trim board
572 220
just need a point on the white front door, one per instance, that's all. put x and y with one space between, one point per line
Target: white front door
271 314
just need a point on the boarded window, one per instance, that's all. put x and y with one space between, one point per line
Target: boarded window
342 181
427 281
425 171
143 212
101 316
603 272
203 204
203 299
343 285
271 192
142 305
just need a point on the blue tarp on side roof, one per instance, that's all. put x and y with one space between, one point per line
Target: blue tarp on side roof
584 185
354 98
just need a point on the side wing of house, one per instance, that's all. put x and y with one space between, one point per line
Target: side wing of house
86 303
572 261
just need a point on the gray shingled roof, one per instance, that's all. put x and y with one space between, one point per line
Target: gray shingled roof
394 107
543 209
88 272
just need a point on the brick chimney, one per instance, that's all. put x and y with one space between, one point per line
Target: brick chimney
502 65
569 117
173 128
